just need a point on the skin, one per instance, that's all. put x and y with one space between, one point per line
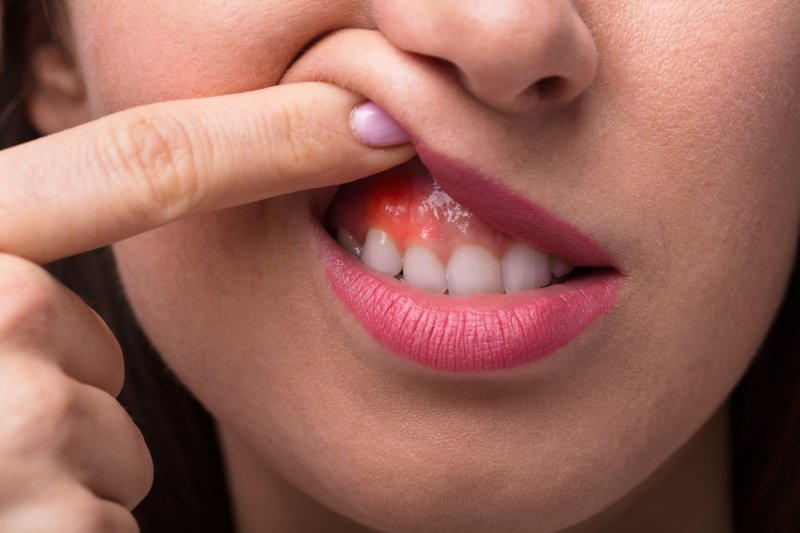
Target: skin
674 147
70 456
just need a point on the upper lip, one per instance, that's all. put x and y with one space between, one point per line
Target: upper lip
511 212
502 207
476 189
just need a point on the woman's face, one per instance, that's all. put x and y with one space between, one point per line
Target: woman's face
678 158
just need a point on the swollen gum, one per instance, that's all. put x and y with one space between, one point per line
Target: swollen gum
411 207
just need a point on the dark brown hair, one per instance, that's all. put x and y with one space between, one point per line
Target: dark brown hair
190 492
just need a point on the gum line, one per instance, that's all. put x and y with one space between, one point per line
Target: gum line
409 206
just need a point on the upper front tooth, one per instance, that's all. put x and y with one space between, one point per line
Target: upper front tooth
422 268
473 269
380 253
348 242
525 268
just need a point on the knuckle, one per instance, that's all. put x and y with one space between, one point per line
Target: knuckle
92 515
27 300
115 373
148 469
79 511
112 360
160 155
40 405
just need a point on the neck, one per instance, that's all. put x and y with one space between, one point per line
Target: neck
690 492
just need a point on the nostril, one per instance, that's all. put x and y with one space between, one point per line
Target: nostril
549 87
542 93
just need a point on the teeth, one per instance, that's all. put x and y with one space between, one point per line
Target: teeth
472 270
348 242
422 268
560 268
380 253
525 268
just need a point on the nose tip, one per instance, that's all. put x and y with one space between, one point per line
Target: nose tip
512 55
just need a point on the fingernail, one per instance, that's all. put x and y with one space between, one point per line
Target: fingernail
374 127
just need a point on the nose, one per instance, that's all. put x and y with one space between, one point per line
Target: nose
513 55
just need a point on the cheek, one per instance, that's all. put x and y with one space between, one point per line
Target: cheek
224 309
705 111
718 181
141 52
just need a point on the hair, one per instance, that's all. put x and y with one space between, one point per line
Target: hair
190 489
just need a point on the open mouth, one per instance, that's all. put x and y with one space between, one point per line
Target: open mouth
437 283
402 224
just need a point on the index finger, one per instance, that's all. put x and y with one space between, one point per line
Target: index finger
144 167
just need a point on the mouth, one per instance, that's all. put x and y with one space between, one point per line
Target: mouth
455 272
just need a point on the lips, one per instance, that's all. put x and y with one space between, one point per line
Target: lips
480 332
471 334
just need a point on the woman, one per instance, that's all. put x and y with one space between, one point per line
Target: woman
613 224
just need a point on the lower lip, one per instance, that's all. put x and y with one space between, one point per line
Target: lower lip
466 335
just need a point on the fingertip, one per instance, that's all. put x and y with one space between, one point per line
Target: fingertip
375 128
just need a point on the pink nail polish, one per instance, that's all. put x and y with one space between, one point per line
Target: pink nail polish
374 127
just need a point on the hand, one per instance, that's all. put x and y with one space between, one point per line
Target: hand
70 457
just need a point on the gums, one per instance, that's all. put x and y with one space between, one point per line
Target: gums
408 204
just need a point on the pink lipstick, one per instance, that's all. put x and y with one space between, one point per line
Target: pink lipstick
480 332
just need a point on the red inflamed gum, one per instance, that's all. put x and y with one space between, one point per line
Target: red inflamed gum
410 206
